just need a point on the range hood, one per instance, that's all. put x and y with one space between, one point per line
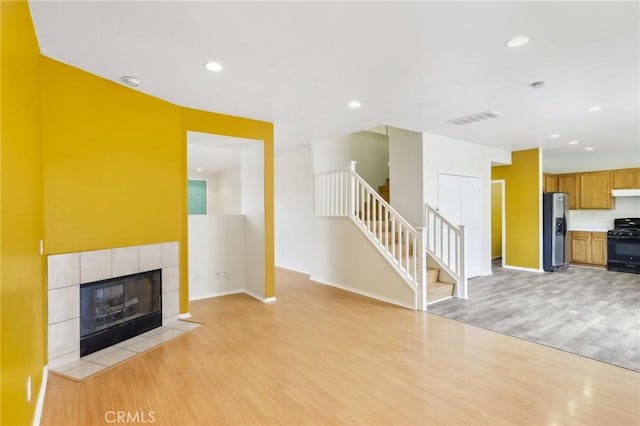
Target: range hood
626 192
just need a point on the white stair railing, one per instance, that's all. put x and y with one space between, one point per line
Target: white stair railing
345 193
445 243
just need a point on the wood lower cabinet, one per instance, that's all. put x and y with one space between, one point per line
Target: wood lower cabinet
599 248
588 248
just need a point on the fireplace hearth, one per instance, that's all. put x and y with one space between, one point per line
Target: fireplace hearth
119 308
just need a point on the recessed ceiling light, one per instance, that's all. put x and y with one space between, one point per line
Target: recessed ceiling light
574 143
554 135
213 66
354 104
594 108
130 81
589 148
518 41
199 169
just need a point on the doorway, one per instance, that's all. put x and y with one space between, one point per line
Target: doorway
460 202
226 216
497 222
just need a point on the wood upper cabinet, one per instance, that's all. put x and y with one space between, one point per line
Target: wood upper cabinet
595 190
589 248
624 179
636 178
550 183
569 183
580 247
599 248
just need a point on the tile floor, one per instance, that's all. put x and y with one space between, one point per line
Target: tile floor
586 311
105 358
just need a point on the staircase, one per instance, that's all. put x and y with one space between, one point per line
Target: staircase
408 250
436 290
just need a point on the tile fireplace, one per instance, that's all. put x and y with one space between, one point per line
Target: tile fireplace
106 274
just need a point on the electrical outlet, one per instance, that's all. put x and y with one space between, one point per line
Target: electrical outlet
29 389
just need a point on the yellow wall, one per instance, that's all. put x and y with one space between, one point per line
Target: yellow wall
113 163
496 220
22 284
522 205
227 125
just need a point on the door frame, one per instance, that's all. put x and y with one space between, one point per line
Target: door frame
503 184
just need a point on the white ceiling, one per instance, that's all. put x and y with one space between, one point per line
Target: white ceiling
214 153
412 65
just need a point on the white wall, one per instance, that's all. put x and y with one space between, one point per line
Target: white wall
331 250
406 174
370 151
345 258
603 219
252 202
216 255
223 190
294 221
443 154
590 161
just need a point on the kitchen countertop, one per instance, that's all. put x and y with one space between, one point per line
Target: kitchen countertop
584 229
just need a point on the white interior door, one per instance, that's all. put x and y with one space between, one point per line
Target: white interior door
460 202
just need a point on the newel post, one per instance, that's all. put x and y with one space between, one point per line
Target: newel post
352 187
422 263
462 258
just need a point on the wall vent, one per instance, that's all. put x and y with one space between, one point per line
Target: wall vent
473 118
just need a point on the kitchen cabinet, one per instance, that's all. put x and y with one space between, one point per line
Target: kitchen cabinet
599 248
624 179
636 178
550 183
588 248
569 183
595 190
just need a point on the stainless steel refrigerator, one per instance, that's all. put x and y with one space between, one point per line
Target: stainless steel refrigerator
555 209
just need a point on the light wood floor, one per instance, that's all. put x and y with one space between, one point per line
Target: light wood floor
320 355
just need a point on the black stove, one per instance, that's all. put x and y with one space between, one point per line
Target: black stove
623 246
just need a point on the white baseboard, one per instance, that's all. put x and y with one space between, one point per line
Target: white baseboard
218 294
259 297
186 315
365 293
41 394
518 268
297 271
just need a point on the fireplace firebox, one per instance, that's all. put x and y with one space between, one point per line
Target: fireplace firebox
119 308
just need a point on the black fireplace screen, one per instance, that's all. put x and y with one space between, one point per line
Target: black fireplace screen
117 309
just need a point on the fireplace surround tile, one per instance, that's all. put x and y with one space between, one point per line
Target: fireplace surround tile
64 270
64 304
67 271
169 254
95 265
170 280
150 257
169 306
125 261
64 337
63 360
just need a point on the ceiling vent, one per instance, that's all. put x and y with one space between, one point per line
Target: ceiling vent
473 118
